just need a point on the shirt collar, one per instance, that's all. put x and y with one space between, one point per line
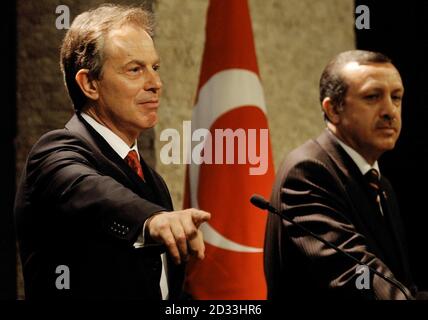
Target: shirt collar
361 163
117 144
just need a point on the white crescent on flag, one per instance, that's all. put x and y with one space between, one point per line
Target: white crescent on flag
218 96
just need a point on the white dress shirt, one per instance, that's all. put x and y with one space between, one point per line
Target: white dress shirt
359 160
122 149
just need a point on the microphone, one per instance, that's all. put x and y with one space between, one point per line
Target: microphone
259 202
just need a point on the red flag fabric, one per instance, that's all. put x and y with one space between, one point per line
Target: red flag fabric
230 160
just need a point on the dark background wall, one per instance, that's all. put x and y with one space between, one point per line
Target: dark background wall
400 30
7 136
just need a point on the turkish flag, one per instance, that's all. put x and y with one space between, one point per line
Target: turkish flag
237 159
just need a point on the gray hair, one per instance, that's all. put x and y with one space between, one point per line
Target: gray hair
83 44
333 85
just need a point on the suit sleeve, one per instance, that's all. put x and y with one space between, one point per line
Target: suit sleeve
62 173
313 197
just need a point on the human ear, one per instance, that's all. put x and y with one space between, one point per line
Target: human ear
331 110
88 86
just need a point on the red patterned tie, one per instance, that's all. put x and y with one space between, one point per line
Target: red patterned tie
132 160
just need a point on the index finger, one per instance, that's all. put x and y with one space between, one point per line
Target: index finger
200 216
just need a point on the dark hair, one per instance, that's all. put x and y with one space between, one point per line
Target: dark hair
82 47
332 83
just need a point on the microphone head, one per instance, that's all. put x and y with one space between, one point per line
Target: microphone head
258 201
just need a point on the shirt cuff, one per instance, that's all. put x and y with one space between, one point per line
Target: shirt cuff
141 240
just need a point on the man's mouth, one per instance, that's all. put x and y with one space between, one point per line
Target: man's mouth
388 129
150 104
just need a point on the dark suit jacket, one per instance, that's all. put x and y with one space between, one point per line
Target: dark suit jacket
80 205
321 187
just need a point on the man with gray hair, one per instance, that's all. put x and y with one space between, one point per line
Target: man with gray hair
93 219
333 186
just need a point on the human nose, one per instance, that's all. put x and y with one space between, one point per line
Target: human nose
153 81
391 108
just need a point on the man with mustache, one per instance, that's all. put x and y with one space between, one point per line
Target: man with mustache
333 186
93 219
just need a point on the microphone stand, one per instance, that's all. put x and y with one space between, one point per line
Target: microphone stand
261 203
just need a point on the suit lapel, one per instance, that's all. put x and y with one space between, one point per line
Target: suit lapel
393 219
112 164
364 213
158 185
104 154
154 189
384 234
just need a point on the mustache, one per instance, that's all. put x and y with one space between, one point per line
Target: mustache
387 123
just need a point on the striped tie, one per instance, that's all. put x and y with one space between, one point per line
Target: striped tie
372 177
132 160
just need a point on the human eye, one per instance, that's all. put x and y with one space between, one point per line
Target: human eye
133 70
372 96
397 97
156 67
